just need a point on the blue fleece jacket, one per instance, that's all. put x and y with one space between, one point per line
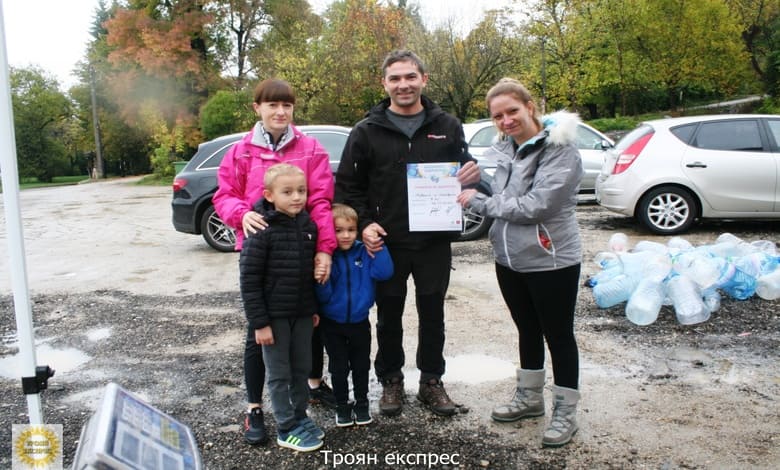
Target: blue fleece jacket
349 293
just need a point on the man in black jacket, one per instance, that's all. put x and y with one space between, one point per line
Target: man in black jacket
405 128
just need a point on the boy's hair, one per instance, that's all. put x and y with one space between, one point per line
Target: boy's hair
345 212
274 89
280 169
402 55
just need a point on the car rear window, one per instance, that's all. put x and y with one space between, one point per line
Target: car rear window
774 129
632 137
734 135
684 132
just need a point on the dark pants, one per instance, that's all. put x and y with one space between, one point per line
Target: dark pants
317 354
430 269
542 305
349 348
288 362
254 369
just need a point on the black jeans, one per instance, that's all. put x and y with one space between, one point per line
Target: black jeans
349 349
430 269
254 369
542 305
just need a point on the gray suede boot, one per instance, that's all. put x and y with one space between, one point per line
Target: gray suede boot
563 424
528 400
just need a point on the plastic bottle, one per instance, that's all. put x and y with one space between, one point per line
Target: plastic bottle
757 264
618 243
735 282
699 266
768 285
687 300
711 298
647 245
645 302
614 291
678 244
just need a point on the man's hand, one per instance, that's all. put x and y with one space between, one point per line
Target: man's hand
468 174
252 222
372 238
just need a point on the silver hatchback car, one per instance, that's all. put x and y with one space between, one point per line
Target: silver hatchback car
670 172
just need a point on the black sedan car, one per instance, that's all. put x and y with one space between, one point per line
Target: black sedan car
194 186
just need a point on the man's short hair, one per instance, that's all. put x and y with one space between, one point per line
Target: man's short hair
402 55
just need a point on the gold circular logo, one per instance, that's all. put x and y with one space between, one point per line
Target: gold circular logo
37 447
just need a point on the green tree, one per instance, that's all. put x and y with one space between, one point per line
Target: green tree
40 113
226 112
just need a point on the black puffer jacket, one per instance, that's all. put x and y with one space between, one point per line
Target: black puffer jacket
372 174
277 268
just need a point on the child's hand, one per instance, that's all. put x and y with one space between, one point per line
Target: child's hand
322 265
316 319
264 336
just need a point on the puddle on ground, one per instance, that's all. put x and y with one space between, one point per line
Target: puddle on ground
61 360
98 333
469 369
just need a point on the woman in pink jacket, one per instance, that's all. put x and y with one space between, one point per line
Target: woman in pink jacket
275 140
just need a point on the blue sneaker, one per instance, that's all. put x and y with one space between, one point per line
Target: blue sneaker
298 439
309 425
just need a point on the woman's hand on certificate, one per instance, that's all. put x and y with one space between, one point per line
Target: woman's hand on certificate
464 198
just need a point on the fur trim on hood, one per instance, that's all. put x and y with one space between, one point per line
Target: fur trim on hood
561 127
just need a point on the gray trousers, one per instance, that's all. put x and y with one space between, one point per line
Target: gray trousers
287 365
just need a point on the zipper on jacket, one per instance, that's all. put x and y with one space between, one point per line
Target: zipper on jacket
349 288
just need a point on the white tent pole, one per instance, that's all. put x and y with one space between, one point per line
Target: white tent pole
13 218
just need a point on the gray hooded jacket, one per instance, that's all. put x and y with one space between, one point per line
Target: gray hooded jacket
534 198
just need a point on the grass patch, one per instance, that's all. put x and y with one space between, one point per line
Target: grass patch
155 180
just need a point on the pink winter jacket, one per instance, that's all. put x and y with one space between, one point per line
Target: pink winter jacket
240 179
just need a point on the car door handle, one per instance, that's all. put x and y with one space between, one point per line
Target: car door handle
696 165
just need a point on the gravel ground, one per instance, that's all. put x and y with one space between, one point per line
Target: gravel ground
660 396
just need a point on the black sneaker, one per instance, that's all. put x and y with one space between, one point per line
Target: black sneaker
362 414
254 427
344 416
322 395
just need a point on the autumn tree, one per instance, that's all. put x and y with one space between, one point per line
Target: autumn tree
462 70
160 72
357 37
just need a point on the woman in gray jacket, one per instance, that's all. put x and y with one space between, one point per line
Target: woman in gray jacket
536 243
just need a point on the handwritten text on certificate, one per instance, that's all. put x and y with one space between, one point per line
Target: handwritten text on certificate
433 188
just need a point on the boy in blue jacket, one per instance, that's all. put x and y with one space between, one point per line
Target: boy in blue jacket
345 299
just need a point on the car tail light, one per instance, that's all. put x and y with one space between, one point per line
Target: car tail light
627 157
179 184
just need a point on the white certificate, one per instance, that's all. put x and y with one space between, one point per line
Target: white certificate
433 189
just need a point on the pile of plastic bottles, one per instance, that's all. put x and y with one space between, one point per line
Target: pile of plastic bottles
691 279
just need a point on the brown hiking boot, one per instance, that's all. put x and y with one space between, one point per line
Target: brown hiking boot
433 395
392 397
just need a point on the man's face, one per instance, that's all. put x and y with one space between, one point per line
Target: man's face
403 83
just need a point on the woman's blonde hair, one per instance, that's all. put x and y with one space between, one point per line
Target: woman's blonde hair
512 87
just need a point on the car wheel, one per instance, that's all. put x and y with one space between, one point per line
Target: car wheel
667 210
216 232
475 226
